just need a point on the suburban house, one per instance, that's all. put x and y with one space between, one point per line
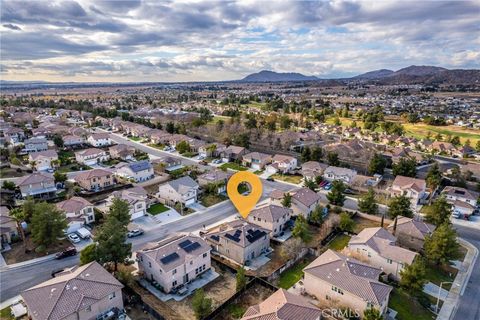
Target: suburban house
285 306
313 169
345 175
160 137
91 156
8 227
283 164
99 140
256 160
216 177
82 292
412 188
35 145
175 261
304 201
167 163
271 217
122 151
42 160
411 233
95 179
471 168
211 150
463 201
14 135
239 241
233 153
377 247
464 151
136 198
334 278
139 171
183 190
442 147
37 185
73 141
78 211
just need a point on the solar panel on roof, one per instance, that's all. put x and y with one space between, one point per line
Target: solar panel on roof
216 238
254 236
185 243
192 246
229 236
170 258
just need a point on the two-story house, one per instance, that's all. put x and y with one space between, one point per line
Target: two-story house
211 150
78 211
35 145
411 233
256 160
345 175
95 179
463 201
304 201
282 163
183 190
122 151
175 261
37 185
410 187
8 228
139 171
91 156
42 160
167 164
73 141
239 241
99 140
271 217
233 153
313 169
82 292
338 280
377 247
219 178
136 198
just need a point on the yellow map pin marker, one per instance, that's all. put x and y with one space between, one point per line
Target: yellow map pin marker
244 204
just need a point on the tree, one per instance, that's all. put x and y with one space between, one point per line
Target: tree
442 245
310 184
367 203
439 212
332 159
291 248
455 140
59 177
306 154
48 223
377 164
317 154
241 279
405 167
58 141
9 185
372 314
111 242
170 127
287 200
242 140
300 229
19 216
477 146
202 306
413 276
400 206
316 216
434 176
120 211
336 196
88 254
346 222
182 147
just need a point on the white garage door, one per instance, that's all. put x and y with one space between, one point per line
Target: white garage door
138 214
190 201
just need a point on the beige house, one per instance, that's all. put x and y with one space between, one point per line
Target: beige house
345 175
282 163
82 293
8 227
410 187
122 151
233 153
37 185
313 169
99 140
79 212
337 280
463 201
239 241
95 179
378 248
91 156
183 190
285 306
36 144
271 217
256 160
136 198
209 151
175 261
138 171
411 233
217 177
43 159
304 201
72 141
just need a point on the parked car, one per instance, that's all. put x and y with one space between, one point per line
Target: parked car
73 238
270 179
70 251
203 162
135 233
217 161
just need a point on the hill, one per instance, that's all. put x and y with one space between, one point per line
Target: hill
271 76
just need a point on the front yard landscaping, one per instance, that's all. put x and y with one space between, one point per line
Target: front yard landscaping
208 200
135 139
5 314
233 166
295 179
73 167
339 242
157 208
291 276
407 307
437 274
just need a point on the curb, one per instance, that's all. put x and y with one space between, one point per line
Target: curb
29 262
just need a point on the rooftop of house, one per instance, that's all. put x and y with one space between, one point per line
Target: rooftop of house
270 212
280 158
100 136
215 175
240 232
74 204
403 182
36 177
340 171
411 227
94 173
90 152
183 184
257 155
460 193
131 195
306 196
139 166
43 154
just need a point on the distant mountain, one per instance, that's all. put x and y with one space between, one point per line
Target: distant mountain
419 71
271 76
377 74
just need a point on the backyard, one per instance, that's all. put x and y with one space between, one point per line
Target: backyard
407 307
157 208
233 166
339 242
295 179
291 276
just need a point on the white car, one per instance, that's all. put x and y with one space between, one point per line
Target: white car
74 238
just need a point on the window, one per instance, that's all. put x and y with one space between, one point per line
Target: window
174 271
149 264
191 262
111 296
141 258
389 261
174 283
338 290
327 297
88 309
205 255
203 268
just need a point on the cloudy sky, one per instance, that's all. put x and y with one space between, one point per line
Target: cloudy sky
218 40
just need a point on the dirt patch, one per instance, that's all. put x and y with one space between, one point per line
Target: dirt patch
18 254
362 223
138 313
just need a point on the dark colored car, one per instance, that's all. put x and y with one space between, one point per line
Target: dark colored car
70 251
270 179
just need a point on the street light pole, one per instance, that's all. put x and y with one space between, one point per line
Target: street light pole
438 296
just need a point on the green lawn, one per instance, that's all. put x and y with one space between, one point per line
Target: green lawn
339 242
291 276
5 314
73 167
157 146
295 179
157 208
111 162
211 199
189 154
436 274
259 172
233 166
236 311
135 138
407 307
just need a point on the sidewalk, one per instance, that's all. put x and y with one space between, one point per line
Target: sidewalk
29 262
460 282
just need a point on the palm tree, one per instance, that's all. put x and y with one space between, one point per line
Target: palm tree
33 164
19 215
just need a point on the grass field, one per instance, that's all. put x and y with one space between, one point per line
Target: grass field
135 138
292 275
407 307
157 208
